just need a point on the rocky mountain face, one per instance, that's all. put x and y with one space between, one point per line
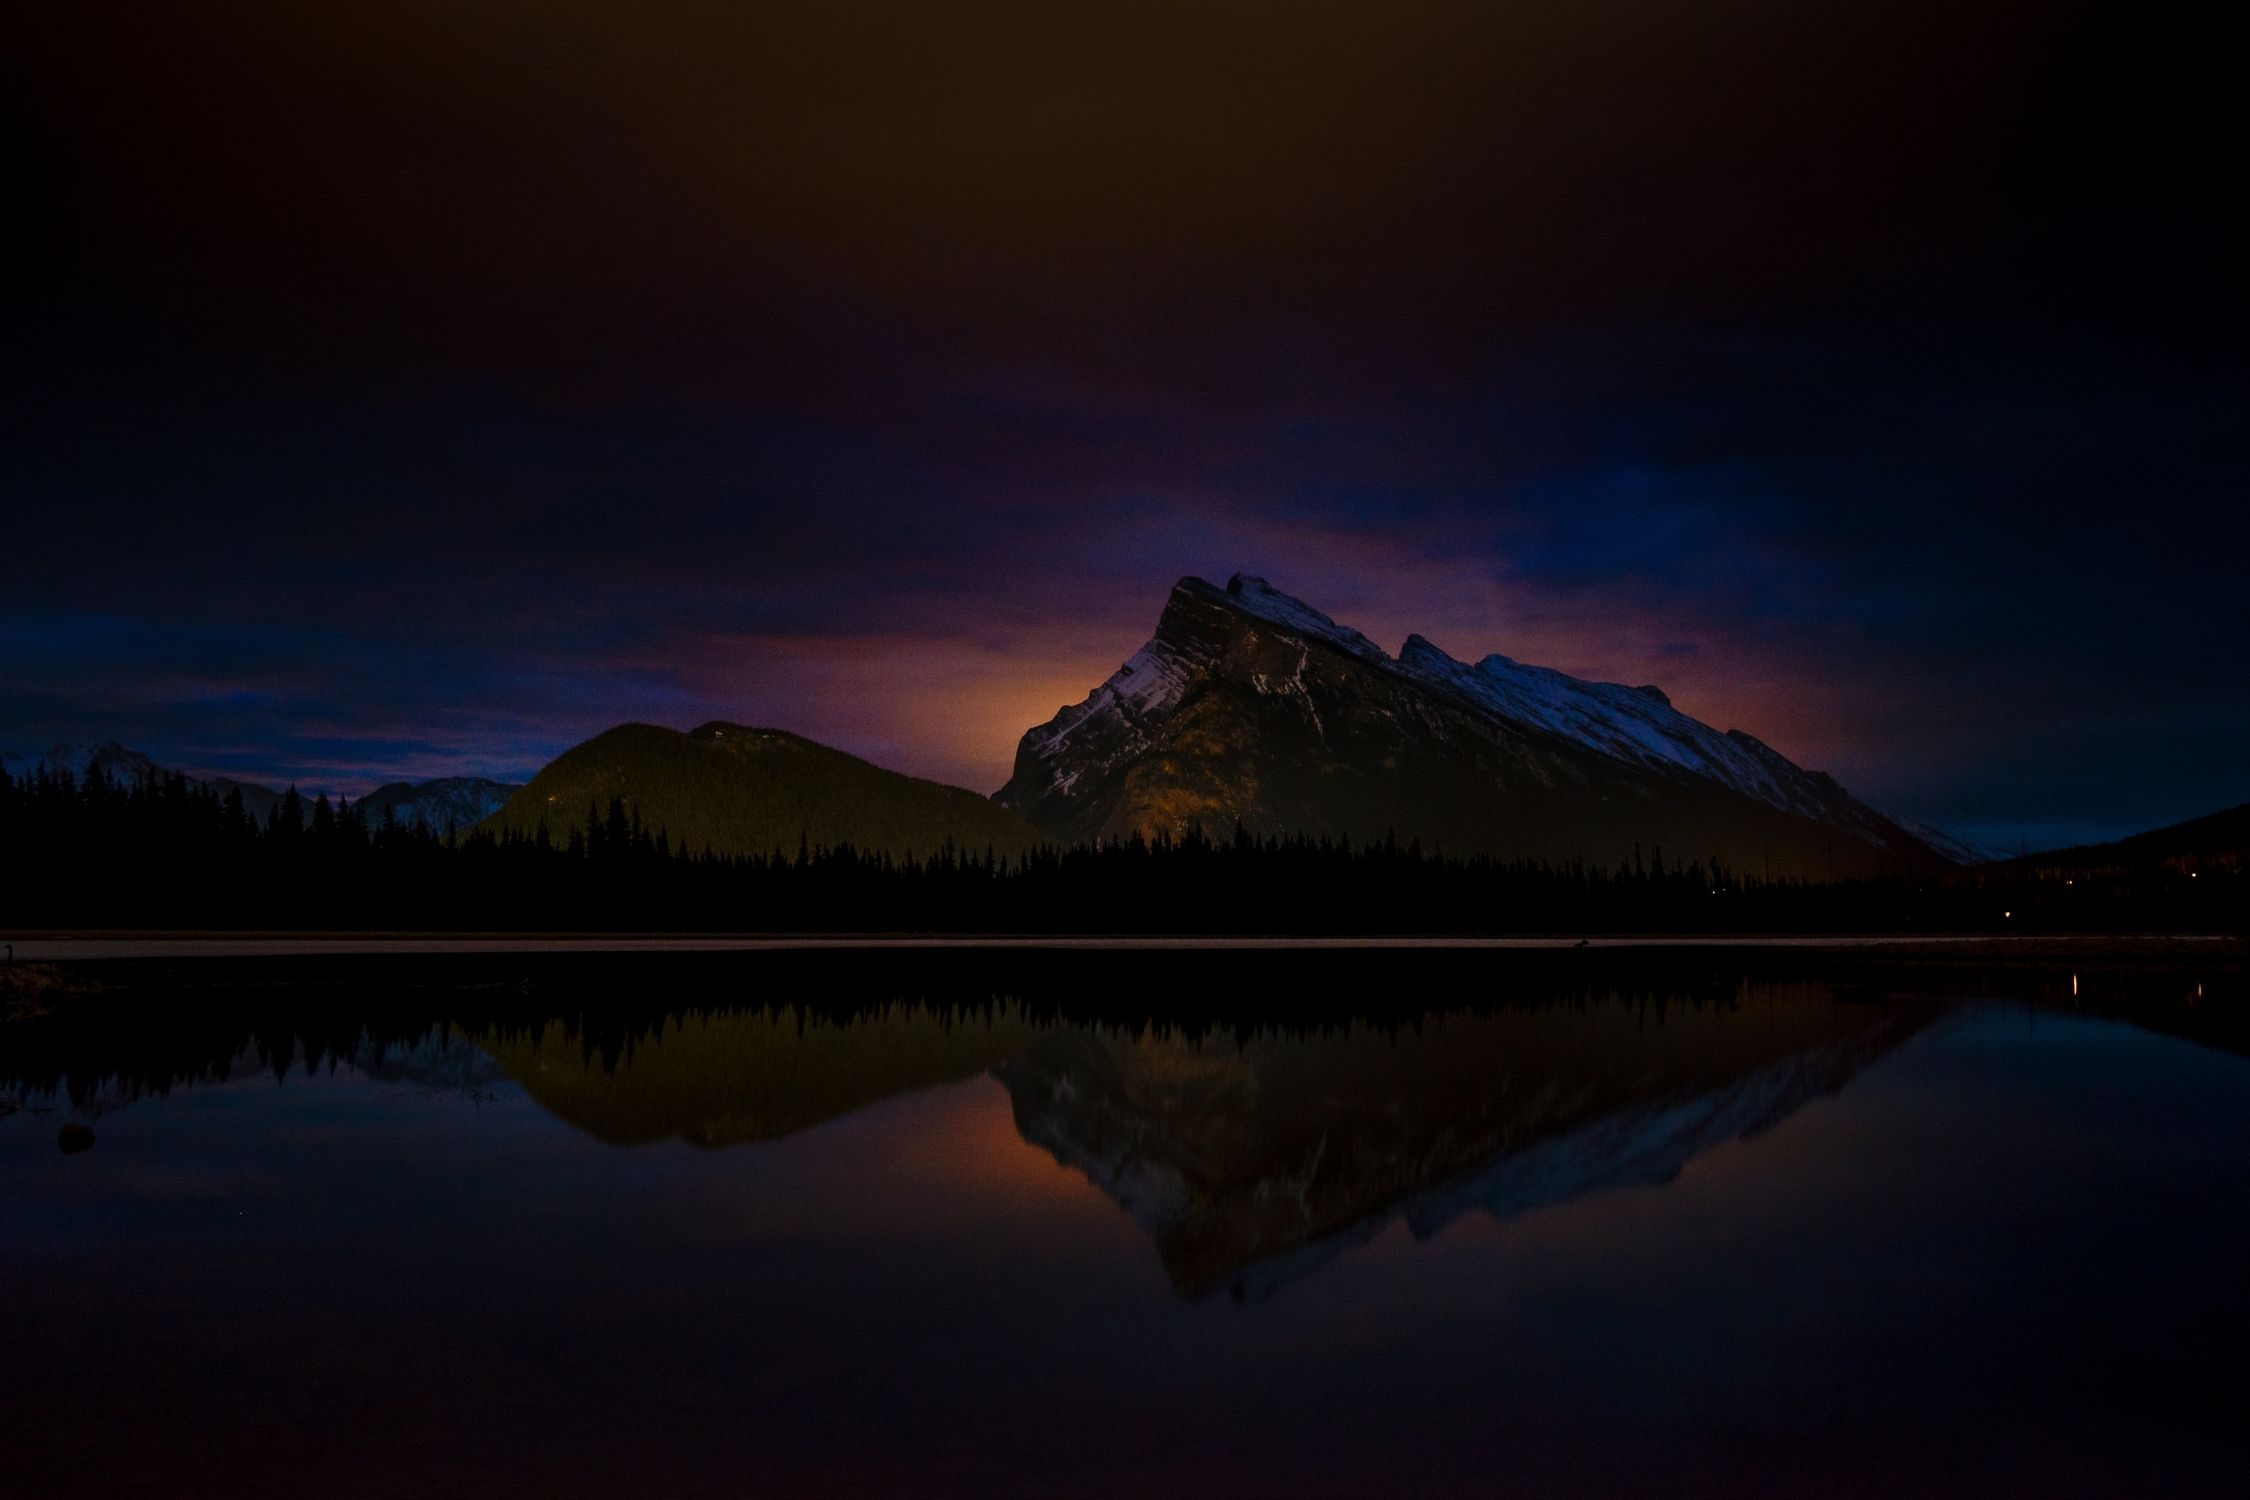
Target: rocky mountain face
1250 706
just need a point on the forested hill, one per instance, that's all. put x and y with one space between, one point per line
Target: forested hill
2218 841
732 789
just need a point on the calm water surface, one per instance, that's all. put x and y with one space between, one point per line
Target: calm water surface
1766 1238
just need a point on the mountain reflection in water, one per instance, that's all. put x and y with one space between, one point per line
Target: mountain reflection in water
1249 1160
725 1079
1128 1228
1250 1165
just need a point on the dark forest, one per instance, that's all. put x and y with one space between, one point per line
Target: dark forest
96 853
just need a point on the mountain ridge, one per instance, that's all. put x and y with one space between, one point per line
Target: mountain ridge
2220 839
446 802
1249 705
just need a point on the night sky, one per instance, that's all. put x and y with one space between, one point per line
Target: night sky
416 388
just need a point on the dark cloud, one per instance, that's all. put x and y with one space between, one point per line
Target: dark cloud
467 377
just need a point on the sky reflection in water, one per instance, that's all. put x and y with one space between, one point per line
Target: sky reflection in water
1788 1245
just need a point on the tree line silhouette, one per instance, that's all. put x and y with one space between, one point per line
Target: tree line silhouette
166 852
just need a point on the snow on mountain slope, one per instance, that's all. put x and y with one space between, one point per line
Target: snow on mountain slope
1151 681
1960 851
1637 724
452 802
1255 596
1110 725
1640 726
1147 744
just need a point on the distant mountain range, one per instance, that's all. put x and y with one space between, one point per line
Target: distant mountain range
734 789
127 766
1254 707
450 802
1250 707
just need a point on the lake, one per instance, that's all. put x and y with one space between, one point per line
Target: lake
1085 1224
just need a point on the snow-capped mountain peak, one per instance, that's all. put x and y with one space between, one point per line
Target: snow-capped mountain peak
1250 705
1637 724
1255 596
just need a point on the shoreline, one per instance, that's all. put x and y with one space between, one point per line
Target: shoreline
169 946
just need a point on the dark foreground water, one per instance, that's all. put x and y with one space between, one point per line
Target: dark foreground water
1758 1235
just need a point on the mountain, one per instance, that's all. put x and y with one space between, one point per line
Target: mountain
2217 840
1248 705
451 802
1961 851
127 766
740 790
120 763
